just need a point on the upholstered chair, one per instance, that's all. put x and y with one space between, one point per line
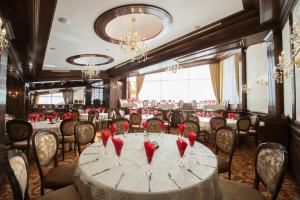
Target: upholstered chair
214 123
253 131
67 128
191 126
76 115
19 132
176 117
202 133
45 148
270 167
85 133
135 120
121 113
111 116
93 116
154 125
225 143
8 117
120 125
16 169
159 116
243 127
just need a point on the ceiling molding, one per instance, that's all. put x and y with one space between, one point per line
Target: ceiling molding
72 59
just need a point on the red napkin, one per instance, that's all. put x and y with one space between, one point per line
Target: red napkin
55 114
142 112
105 136
192 137
181 128
162 126
118 143
50 117
113 129
126 126
181 144
150 149
33 117
145 125
41 116
88 110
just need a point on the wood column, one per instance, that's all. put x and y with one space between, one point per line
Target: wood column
113 93
88 94
244 79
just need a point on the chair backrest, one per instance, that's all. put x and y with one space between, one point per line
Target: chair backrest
270 167
111 114
67 127
145 103
135 118
8 117
244 123
18 130
154 125
93 116
225 138
121 112
176 118
159 116
193 118
120 125
15 166
76 115
85 133
191 126
216 122
253 120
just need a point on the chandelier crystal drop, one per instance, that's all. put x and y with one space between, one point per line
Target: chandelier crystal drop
3 42
134 45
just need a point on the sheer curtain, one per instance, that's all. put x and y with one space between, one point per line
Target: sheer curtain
230 81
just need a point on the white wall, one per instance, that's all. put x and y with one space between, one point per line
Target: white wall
257 96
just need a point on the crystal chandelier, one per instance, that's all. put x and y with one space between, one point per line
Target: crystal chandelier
134 45
173 68
284 69
3 41
90 71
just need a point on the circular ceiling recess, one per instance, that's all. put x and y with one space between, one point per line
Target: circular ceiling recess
151 21
90 59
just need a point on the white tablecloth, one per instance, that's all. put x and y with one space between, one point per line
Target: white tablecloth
134 185
167 106
85 116
204 123
144 117
45 125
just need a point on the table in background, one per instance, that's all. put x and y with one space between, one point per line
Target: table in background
134 185
45 125
204 123
144 117
85 116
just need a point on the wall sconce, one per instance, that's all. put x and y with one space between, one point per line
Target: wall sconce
13 94
3 41
245 88
262 82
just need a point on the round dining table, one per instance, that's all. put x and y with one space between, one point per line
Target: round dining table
85 116
204 123
145 117
97 172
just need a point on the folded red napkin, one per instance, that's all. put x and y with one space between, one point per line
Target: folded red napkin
50 117
181 128
181 144
105 136
192 137
145 125
55 114
126 126
33 117
162 126
150 149
142 112
113 129
41 116
118 143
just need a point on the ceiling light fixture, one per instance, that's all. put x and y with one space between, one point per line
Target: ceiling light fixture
89 71
133 44
173 68
3 42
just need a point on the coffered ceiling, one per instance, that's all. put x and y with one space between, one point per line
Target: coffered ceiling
76 35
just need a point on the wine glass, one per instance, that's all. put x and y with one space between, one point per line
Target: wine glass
162 128
118 144
181 128
105 136
149 149
192 137
181 145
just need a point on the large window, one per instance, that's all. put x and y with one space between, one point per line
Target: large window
229 81
97 92
55 98
187 85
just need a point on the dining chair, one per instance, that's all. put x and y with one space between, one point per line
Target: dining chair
67 128
85 133
8 117
243 127
225 143
111 116
202 132
19 132
120 125
253 131
93 116
76 115
135 120
45 148
270 167
214 123
176 117
159 116
16 168
191 126
154 125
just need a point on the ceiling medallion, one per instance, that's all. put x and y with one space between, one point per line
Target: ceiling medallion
131 25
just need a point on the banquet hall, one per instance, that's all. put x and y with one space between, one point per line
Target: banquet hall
150 100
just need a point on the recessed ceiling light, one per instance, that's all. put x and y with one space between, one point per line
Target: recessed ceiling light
64 20
49 66
52 48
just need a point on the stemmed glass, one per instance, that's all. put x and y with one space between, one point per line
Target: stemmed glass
181 128
126 127
192 137
118 144
105 136
145 125
181 144
149 149
113 129
162 128
50 117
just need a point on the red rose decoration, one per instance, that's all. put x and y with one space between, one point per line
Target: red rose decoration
41 116
50 117
105 136
150 149
192 137
118 144
181 144
126 126
145 125
55 114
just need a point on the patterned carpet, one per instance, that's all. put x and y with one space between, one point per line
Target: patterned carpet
242 171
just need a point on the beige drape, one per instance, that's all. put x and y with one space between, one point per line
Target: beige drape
36 99
216 73
237 72
139 84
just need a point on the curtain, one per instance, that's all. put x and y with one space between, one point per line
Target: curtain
36 98
237 72
216 73
139 84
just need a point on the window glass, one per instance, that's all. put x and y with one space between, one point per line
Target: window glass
55 98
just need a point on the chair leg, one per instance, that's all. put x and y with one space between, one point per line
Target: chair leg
229 175
63 151
42 190
75 148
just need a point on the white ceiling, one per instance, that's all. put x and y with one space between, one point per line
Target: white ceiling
79 37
